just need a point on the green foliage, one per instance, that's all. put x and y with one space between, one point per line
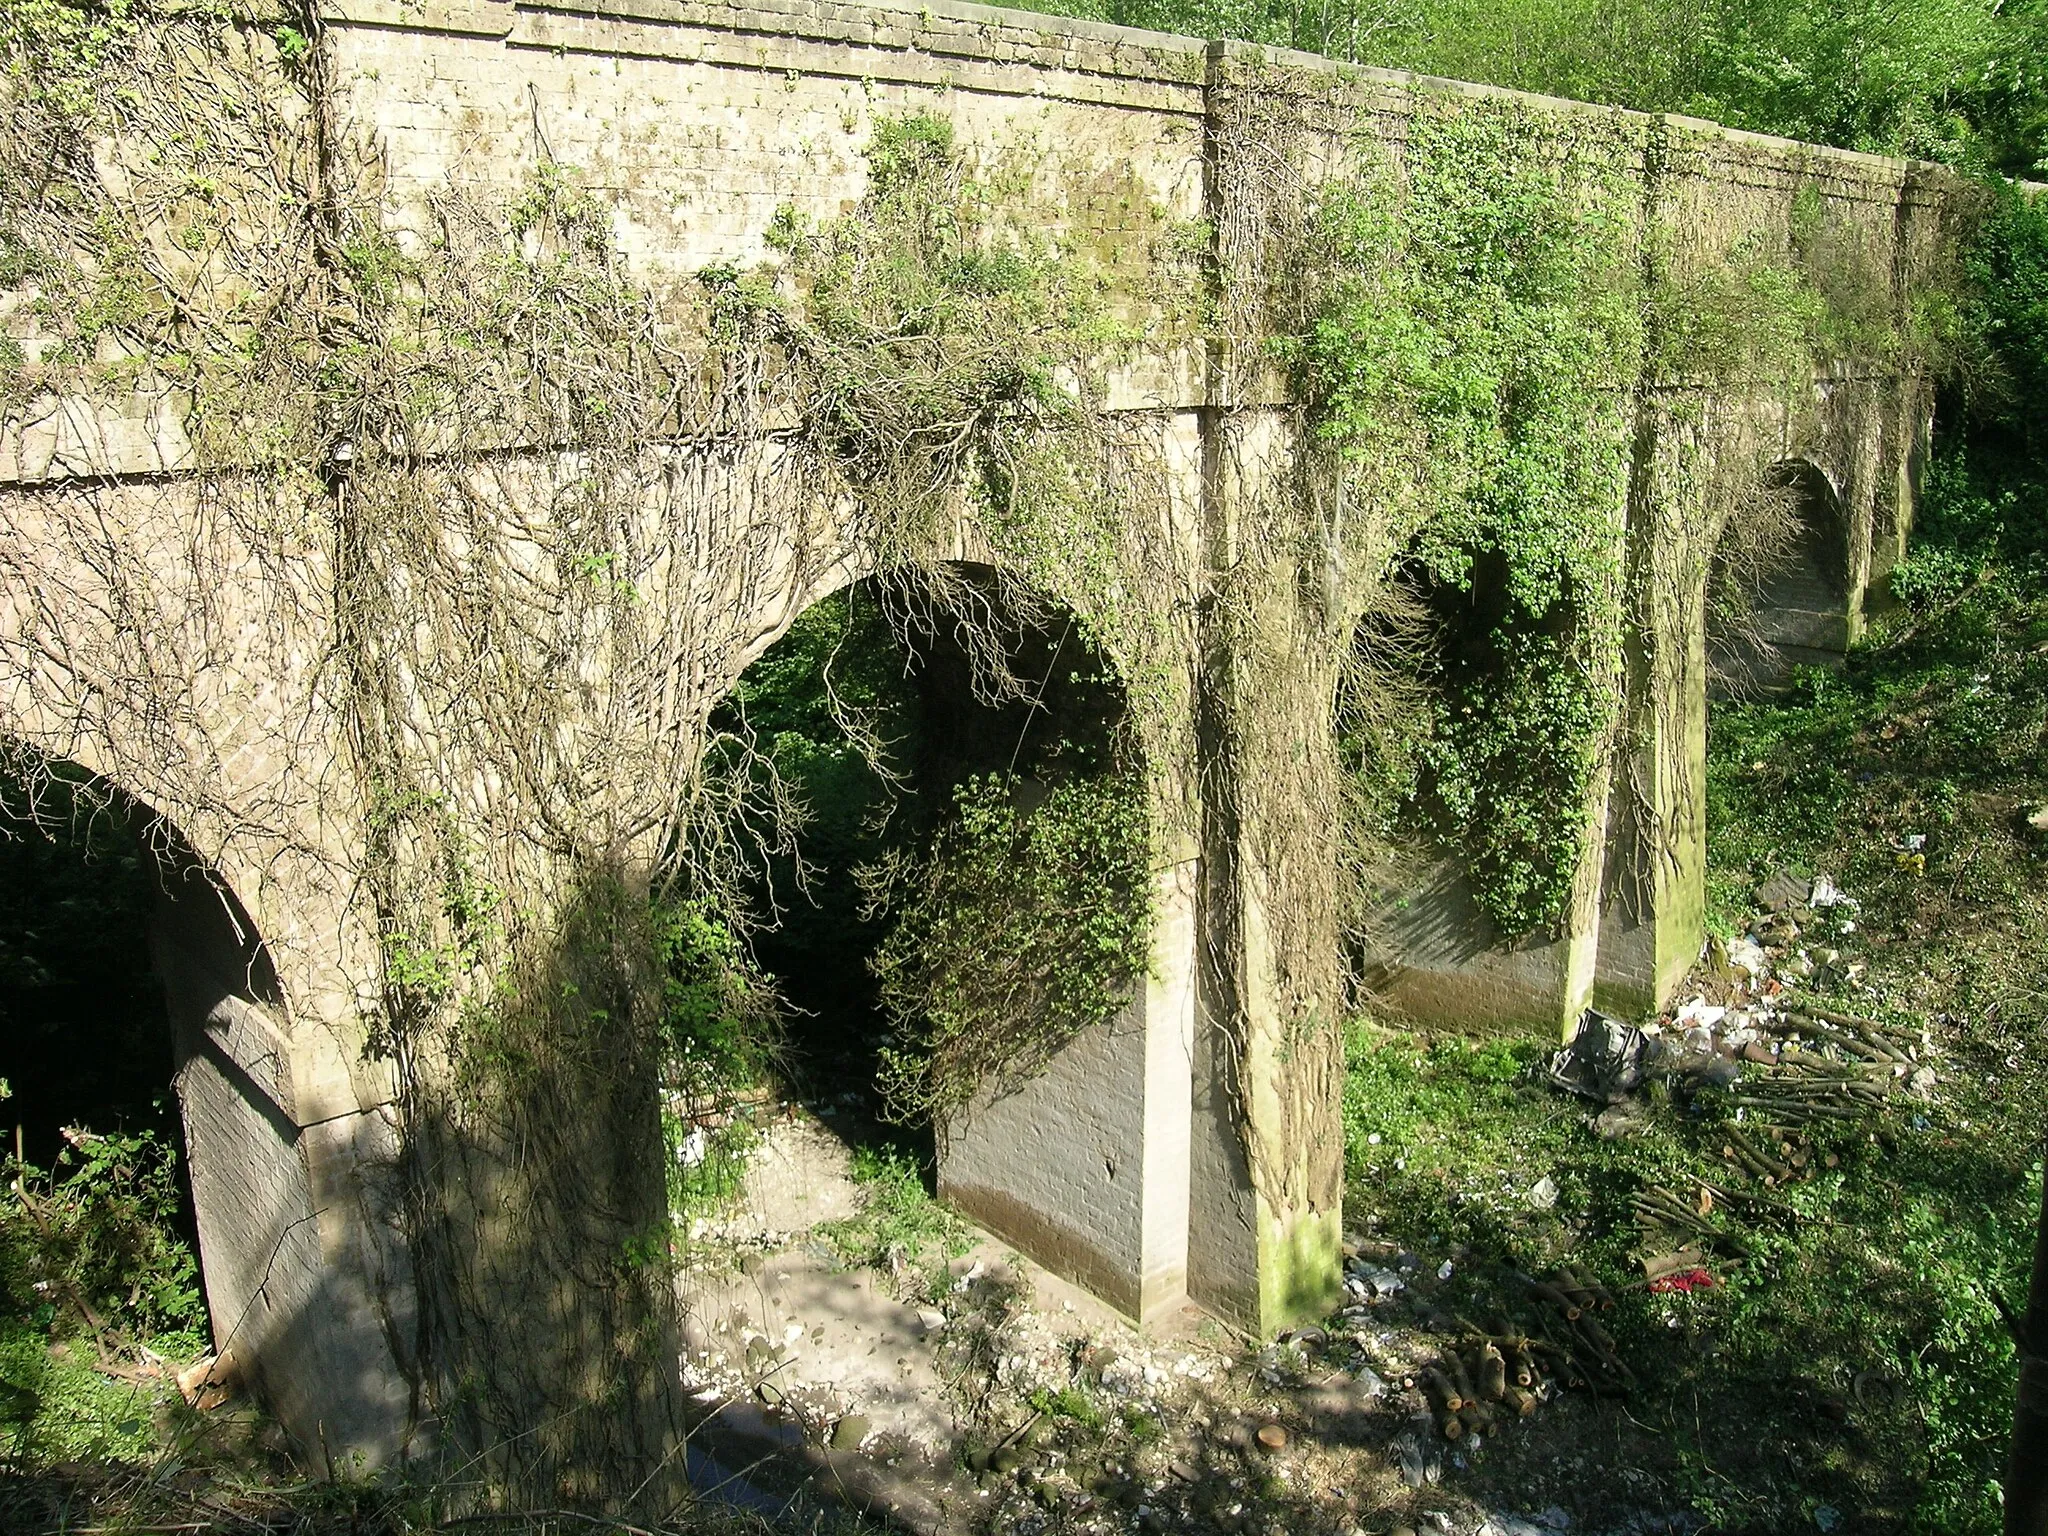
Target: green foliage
1478 328
1757 316
719 1020
719 1030
830 708
707 1168
1928 578
91 1265
59 50
941 339
912 762
1470 351
899 1223
907 150
1882 1266
2005 319
1028 924
1480 304
1954 80
1517 739
1070 1403
1934 732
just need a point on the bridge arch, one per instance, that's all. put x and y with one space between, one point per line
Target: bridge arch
288 1317
1471 784
976 684
1788 598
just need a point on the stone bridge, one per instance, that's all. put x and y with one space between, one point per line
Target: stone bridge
185 660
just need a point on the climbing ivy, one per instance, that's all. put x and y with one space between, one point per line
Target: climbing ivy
520 654
985 860
1028 924
943 347
1480 324
1472 338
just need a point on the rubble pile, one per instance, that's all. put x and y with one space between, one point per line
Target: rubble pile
1784 1061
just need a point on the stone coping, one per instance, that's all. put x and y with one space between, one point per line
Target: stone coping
887 39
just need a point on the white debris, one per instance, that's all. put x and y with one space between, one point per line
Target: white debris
1827 894
1699 1012
1382 1282
1748 955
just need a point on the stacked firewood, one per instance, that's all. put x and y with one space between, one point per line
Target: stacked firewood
1498 1375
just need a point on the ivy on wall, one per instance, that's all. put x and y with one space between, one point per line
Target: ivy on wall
1478 324
969 883
932 368
1029 924
1472 337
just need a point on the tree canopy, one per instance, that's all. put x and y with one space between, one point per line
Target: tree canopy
1961 81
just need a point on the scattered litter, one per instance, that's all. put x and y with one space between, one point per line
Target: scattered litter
1747 960
1410 1457
693 1148
1698 1011
1606 1060
1680 1281
1781 891
1543 1194
1617 1122
1827 894
1379 1283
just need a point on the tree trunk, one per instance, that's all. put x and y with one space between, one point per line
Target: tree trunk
2026 1475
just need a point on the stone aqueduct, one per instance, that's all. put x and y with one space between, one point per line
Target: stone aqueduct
698 120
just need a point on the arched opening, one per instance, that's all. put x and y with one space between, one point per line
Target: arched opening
958 934
1779 591
900 716
1467 732
894 730
156 1184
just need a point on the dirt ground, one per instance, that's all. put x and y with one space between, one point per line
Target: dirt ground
1012 1401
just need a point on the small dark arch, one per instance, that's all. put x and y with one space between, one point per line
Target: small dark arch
206 1036
1780 594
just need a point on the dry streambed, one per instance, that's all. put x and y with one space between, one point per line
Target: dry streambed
973 1391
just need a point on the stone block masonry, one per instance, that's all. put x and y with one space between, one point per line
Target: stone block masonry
1192 1149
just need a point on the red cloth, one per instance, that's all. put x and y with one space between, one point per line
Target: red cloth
1683 1280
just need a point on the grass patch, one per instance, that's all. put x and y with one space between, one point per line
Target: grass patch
1071 1404
900 1227
1853 1362
97 1294
707 1168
